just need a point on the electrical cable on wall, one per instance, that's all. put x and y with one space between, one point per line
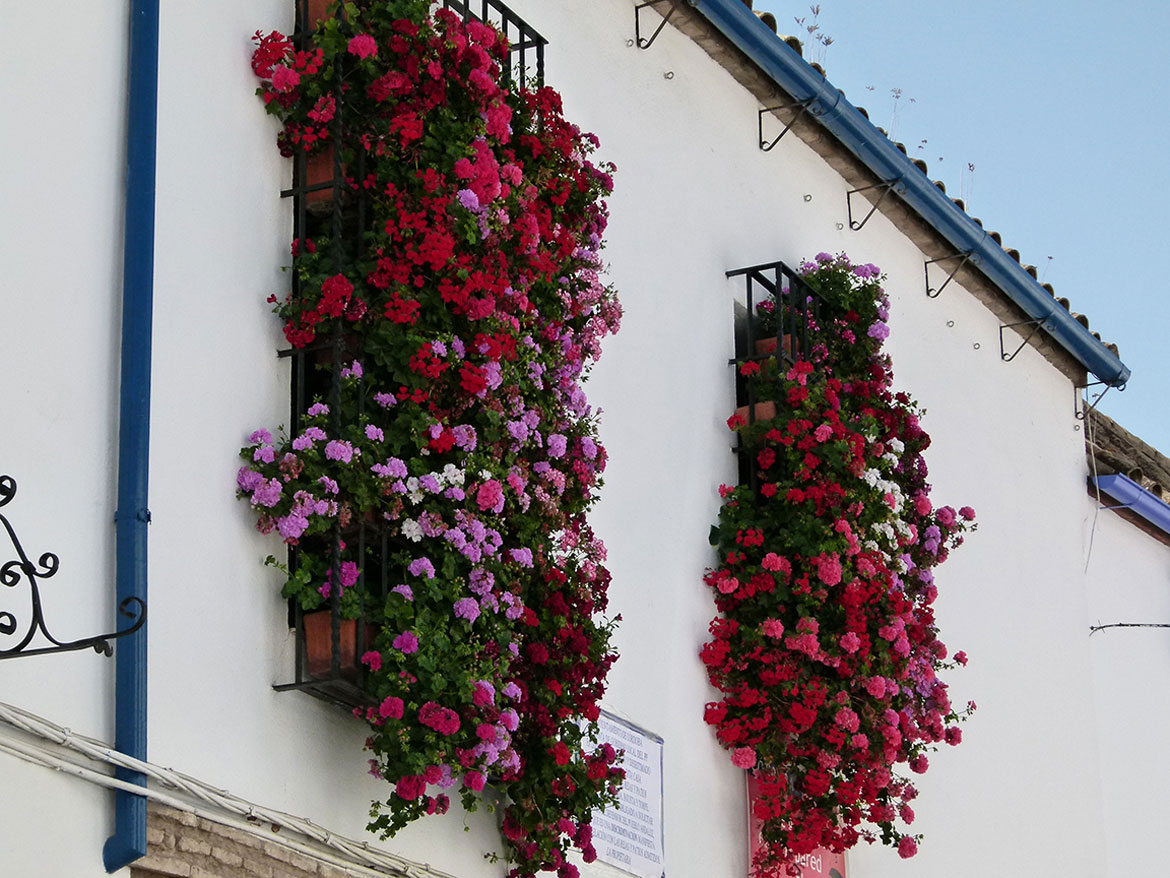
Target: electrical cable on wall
41 742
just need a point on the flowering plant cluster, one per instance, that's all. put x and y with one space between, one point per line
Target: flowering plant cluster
825 649
440 489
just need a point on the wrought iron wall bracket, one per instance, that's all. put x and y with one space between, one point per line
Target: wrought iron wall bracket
639 41
46 566
964 257
1036 325
887 186
805 107
1082 410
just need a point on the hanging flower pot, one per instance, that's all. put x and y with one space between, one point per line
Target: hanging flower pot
317 628
318 170
763 411
769 345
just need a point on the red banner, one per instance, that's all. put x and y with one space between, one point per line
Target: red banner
819 864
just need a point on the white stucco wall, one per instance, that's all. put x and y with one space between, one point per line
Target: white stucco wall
1130 582
695 197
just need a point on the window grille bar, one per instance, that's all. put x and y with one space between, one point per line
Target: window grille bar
798 312
342 213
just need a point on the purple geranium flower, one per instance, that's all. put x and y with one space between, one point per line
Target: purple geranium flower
467 608
422 566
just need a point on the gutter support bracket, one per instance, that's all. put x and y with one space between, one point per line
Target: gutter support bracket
1082 410
1036 325
805 106
887 186
966 256
638 39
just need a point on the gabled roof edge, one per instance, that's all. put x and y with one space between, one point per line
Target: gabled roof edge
829 107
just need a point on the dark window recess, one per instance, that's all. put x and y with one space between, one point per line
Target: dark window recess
778 316
329 648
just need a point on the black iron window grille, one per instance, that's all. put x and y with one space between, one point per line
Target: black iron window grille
780 319
329 647
526 45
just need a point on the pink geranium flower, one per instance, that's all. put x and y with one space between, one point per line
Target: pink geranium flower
363 45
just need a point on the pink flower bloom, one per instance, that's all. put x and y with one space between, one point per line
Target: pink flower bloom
847 719
954 735
961 657
372 660
850 642
490 495
284 79
363 45
876 686
967 513
823 433
829 569
406 642
946 516
771 561
442 719
391 708
919 764
474 780
483 694
922 504
743 757
726 583
773 628
907 847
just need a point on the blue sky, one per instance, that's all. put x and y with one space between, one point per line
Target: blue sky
1061 108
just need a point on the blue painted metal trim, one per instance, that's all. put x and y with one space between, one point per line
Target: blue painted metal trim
128 843
1136 498
789 71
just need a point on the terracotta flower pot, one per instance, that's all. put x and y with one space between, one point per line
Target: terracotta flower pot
317 11
319 169
318 631
764 411
768 345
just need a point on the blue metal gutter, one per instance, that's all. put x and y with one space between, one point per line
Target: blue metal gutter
830 108
1134 497
128 843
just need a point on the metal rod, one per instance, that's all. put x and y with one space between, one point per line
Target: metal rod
1093 629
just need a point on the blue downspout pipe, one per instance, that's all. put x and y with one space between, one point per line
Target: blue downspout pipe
128 843
788 70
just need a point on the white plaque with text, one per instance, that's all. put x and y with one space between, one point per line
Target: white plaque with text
630 836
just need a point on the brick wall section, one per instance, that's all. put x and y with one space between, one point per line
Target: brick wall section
181 845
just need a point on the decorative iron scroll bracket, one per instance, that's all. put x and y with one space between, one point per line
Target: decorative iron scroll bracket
639 41
887 186
964 257
46 566
805 107
1036 325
